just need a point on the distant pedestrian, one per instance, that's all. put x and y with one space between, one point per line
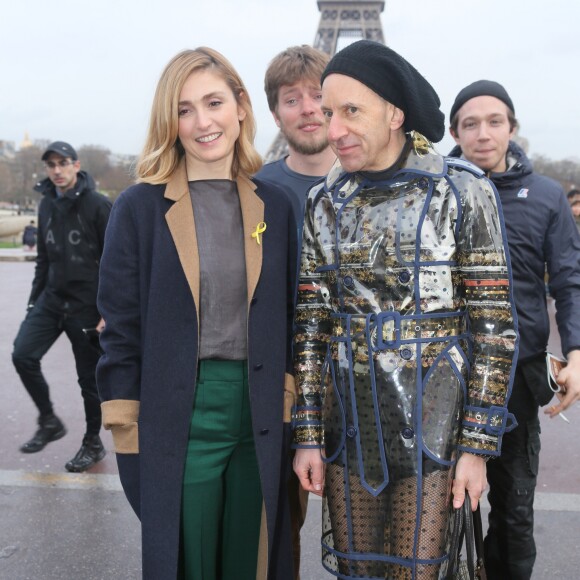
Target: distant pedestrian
72 218
574 200
29 236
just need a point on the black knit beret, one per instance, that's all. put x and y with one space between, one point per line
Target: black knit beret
481 89
389 75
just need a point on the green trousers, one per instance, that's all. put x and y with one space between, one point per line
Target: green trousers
222 497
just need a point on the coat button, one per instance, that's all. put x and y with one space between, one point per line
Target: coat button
348 281
264 431
253 301
258 366
404 277
406 353
351 431
407 433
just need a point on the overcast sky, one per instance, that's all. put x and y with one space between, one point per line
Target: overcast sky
85 72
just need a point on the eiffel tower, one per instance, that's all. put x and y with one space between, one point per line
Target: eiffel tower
342 22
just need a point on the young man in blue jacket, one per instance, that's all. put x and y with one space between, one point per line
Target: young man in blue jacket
72 218
541 233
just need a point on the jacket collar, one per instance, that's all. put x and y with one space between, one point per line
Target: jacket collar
83 184
518 164
422 160
181 224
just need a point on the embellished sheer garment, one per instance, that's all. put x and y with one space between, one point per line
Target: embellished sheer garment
405 338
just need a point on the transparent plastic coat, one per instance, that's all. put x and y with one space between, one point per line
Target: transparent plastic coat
404 343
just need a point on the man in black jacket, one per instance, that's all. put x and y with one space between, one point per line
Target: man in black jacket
541 234
72 218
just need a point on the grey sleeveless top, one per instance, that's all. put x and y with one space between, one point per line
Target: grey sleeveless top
223 292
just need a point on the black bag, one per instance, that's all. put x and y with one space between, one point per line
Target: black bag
466 526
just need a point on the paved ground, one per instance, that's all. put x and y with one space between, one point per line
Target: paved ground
60 526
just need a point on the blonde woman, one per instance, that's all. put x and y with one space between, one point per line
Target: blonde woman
196 382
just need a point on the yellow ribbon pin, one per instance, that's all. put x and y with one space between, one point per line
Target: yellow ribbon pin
260 229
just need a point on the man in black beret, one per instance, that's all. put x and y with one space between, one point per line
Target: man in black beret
405 331
72 218
542 236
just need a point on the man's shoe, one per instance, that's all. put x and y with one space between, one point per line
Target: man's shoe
50 428
91 451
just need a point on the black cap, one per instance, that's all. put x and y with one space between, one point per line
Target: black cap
60 148
389 75
481 89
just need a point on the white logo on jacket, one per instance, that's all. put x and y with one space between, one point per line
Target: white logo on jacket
74 237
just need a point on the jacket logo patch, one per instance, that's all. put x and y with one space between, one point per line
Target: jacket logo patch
74 237
523 193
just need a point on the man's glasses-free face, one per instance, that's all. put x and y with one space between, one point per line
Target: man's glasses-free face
62 164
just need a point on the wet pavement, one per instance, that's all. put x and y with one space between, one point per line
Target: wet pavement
60 526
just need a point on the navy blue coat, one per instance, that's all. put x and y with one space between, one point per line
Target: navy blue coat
149 297
541 234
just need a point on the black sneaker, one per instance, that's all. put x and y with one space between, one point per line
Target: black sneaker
91 451
50 428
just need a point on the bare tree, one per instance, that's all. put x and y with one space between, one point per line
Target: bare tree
116 180
565 171
26 169
95 160
7 182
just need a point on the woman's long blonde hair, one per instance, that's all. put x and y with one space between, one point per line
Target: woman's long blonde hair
163 151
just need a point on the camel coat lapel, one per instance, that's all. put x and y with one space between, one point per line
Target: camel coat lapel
252 215
182 227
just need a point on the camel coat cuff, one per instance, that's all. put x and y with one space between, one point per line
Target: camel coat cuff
120 416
